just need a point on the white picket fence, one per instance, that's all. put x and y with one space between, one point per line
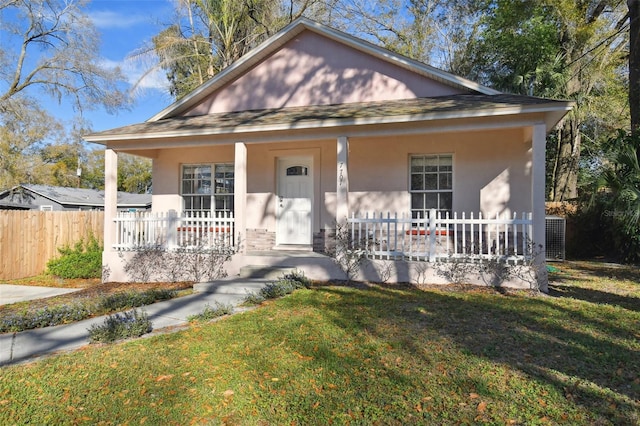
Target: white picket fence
436 237
143 230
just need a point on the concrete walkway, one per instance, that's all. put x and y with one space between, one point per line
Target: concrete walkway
30 344
10 293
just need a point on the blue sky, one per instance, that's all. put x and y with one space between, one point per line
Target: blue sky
124 27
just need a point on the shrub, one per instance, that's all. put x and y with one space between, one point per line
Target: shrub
63 314
84 260
287 284
298 277
45 317
211 312
121 326
131 299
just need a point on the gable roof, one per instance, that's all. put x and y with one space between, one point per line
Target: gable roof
287 34
82 196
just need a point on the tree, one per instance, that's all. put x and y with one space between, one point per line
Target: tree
559 49
634 66
208 36
51 46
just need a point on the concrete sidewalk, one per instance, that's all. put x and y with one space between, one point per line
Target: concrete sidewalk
10 293
26 345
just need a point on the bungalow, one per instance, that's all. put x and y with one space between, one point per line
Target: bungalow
315 138
57 198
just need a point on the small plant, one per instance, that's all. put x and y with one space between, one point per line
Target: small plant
347 253
84 260
121 326
212 312
131 299
64 314
45 317
197 260
298 277
285 285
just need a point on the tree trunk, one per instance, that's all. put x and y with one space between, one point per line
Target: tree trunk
565 176
634 65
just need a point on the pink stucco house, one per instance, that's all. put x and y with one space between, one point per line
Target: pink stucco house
315 129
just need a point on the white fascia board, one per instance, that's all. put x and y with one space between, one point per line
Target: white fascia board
332 123
333 133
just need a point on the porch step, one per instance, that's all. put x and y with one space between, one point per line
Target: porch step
232 286
264 272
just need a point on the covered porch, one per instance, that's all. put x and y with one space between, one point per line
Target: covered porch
338 198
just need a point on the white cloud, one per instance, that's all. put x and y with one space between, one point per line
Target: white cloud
139 75
108 19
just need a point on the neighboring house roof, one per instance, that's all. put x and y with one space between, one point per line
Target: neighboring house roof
314 116
288 33
7 205
81 196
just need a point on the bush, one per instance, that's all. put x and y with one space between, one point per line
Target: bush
121 326
64 314
287 284
131 299
210 312
84 260
45 317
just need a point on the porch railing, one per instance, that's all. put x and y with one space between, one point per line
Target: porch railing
439 236
170 231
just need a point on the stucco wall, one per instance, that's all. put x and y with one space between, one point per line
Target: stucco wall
167 169
490 171
313 70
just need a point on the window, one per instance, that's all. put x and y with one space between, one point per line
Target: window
204 191
431 185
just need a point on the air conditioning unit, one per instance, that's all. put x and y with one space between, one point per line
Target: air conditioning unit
555 228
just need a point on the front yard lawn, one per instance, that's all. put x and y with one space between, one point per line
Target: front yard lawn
365 355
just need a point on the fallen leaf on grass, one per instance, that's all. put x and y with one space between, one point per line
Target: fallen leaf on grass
164 377
228 394
482 406
473 395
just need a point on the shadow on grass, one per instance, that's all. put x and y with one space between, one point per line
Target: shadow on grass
582 351
595 296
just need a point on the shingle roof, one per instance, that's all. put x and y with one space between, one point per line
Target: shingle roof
84 196
298 117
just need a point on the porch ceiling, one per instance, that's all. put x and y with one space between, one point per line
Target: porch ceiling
342 115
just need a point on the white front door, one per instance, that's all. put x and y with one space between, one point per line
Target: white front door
294 201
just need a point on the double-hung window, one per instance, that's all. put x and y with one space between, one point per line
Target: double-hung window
208 188
431 185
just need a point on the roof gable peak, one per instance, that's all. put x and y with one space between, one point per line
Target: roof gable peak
288 33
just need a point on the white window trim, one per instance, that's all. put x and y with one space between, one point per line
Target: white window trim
453 176
212 192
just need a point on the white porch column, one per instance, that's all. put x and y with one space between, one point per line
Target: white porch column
240 195
110 197
342 183
538 147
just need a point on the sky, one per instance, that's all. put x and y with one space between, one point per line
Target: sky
124 27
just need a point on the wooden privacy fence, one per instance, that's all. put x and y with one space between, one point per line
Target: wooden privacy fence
29 239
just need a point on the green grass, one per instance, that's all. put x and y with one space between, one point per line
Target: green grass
370 355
